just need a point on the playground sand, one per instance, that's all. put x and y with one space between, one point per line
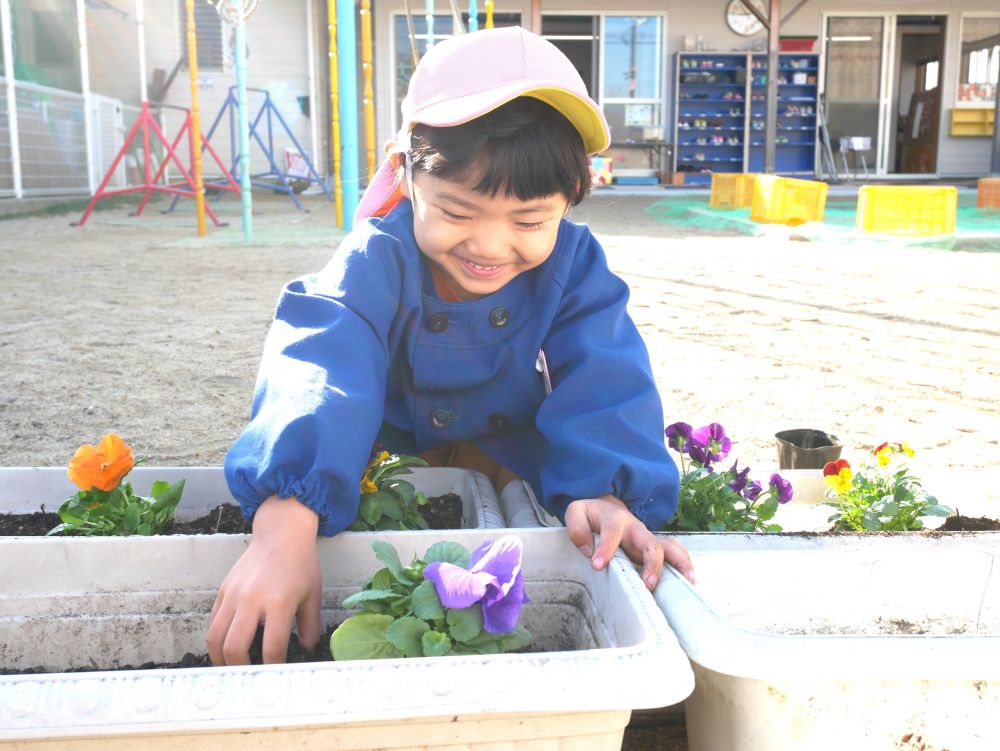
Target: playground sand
137 326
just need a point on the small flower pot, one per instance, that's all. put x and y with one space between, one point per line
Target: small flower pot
804 448
847 642
70 603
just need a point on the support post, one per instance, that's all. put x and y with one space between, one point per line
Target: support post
489 14
313 101
773 71
429 20
8 66
338 184
536 16
88 115
369 101
194 137
244 121
140 23
473 16
995 158
348 69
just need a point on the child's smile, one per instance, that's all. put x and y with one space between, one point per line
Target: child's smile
480 242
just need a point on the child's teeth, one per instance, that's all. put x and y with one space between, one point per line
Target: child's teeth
481 268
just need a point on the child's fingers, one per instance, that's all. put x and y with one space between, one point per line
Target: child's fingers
610 525
308 621
236 647
650 552
277 633
218 627
579 529
677 556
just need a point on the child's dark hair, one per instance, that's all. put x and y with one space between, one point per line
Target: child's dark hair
524 148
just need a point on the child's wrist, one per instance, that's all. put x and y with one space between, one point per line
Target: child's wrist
285 517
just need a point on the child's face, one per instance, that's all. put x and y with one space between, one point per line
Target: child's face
481 243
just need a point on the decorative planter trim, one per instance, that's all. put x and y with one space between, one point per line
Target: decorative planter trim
24 489
56 597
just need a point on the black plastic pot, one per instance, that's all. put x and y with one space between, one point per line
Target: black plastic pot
804 448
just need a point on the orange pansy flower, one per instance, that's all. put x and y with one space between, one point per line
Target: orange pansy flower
102 466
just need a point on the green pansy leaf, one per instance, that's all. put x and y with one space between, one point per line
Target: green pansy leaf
465 624
369 511
389 558
385 524
435 644
167 496
448 552
131 518
406 635
519 638
938 510
368 595
402 490
358 526
425 602
388 505
767 509
383 579
362 637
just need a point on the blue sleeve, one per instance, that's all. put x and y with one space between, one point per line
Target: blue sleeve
603 421
320 392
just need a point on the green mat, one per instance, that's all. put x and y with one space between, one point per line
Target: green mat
975 230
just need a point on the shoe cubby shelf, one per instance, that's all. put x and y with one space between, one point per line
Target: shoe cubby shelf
719 113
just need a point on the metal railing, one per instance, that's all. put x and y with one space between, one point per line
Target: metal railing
52 155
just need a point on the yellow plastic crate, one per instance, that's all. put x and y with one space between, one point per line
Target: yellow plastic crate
732 190
989 193
785 200
907 210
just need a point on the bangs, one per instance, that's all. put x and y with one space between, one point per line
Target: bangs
524 149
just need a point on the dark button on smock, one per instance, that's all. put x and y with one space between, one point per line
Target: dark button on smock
499 317
440 418
499 422
437 322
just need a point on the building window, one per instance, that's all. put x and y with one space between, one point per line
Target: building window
632 80
980 62
212 37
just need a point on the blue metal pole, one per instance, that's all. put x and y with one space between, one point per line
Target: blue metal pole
348 79
244 122
473 16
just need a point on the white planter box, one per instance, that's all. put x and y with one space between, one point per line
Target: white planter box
24 489
67 602
860 642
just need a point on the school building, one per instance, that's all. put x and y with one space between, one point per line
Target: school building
910 87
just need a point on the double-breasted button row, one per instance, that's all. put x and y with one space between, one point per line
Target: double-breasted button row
438 322
440 418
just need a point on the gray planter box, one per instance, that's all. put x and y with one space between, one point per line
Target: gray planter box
109 600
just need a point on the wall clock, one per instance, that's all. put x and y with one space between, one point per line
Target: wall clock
741 20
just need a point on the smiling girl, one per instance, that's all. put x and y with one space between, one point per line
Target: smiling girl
426 330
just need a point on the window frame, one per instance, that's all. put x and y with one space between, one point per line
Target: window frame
959 103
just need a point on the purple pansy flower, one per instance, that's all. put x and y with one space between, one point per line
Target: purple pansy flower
712 442
493 579
678 436
752 491
740 480
782 486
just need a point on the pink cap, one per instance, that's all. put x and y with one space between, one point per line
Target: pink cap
469 75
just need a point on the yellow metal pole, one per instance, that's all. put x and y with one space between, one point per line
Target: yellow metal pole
489 14
338 190
195 134
369 100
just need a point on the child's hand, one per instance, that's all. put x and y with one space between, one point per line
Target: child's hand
275 580
611 519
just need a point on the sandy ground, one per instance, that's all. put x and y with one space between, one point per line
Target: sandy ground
136 325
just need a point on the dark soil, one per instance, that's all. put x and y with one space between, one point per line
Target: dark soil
441 512
961 523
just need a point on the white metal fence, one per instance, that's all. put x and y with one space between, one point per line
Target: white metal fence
52 155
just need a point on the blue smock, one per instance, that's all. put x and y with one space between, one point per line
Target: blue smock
364 350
